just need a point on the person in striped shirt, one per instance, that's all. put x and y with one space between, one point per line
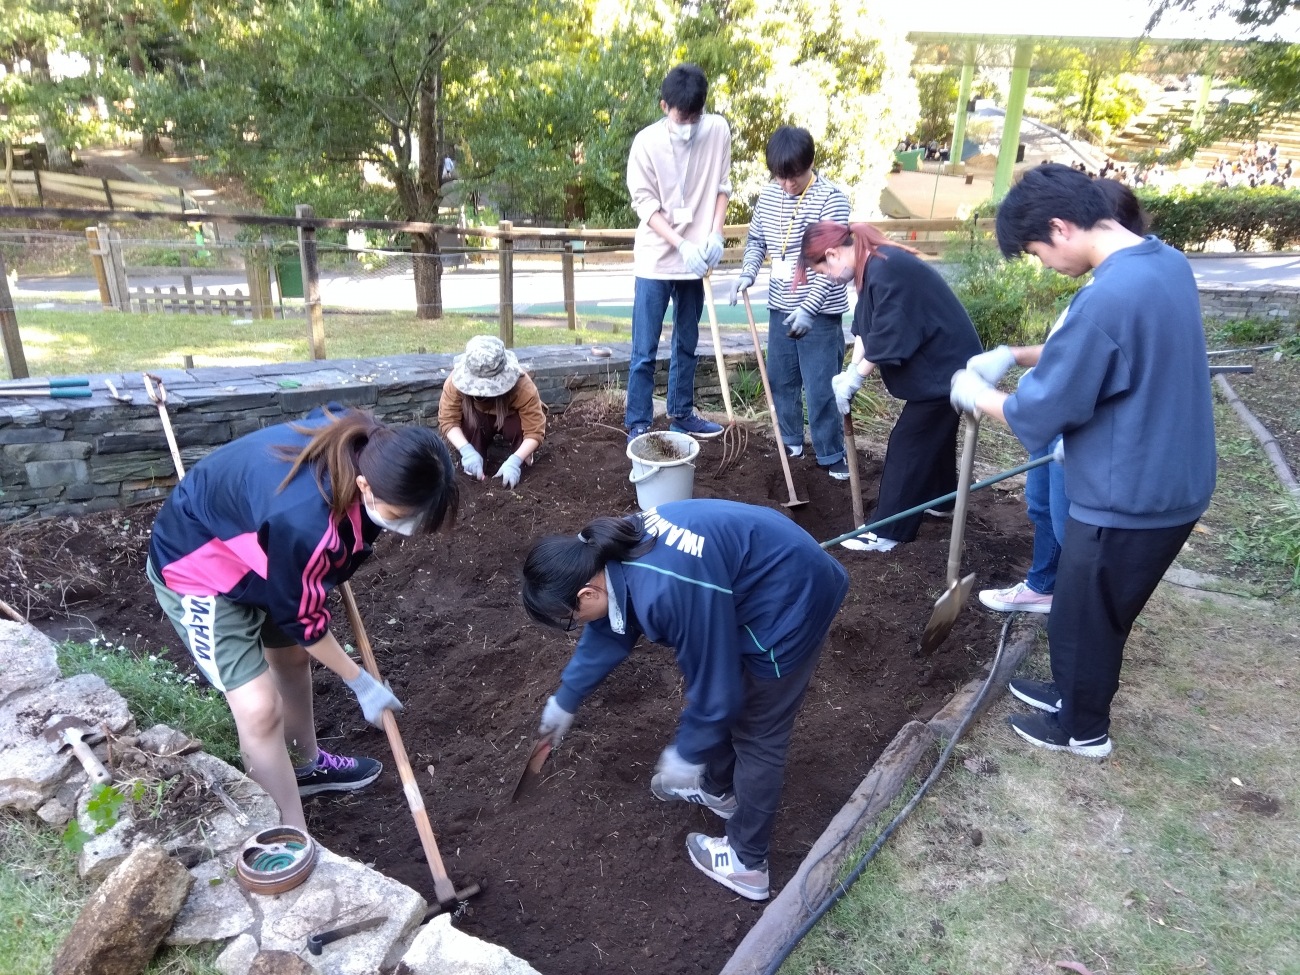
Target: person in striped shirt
805 336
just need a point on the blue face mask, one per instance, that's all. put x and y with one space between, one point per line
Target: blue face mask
403 526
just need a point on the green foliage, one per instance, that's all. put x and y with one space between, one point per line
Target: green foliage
102 807
1285 537
1086 84
747 390
158 693
1247 331
1190 218
1010 302
938 93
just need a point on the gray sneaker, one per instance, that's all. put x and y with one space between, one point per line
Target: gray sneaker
713 856
721 806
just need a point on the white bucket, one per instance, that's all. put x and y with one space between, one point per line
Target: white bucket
663 467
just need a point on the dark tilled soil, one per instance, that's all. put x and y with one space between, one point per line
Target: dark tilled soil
1273 394
587 872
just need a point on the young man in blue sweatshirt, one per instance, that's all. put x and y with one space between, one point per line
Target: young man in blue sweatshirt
1125 380
745 598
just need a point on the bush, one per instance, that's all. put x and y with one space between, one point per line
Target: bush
1010 302
1189 219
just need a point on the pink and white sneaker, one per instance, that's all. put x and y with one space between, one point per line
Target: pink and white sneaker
1018 599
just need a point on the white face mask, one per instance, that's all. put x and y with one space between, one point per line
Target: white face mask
403 526
682 131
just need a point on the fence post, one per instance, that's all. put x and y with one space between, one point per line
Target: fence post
506 272
9 173
311 283
117 268
570 301
97 252
15 358
258 269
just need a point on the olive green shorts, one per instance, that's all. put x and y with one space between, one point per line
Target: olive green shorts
227 640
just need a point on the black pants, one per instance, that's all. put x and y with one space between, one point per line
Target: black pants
752 762
921 464
1105 577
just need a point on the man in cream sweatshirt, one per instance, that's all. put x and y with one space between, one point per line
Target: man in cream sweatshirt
678 173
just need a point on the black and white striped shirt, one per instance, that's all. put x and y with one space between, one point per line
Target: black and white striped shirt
777 229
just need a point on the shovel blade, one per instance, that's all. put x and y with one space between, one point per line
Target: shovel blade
532 767
946 610
796 503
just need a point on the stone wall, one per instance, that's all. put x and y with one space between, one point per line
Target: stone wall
1234 301
72 456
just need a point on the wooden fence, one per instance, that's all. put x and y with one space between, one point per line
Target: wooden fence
572 242
116 194
174 301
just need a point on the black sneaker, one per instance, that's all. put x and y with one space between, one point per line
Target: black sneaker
1045 731
838 470
338 773
1041 694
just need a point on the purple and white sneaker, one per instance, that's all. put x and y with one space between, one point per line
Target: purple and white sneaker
338 773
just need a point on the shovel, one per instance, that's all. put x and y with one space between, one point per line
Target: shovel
794 501
67 730
948 606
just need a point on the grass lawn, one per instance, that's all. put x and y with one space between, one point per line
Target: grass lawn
64 343
1176 854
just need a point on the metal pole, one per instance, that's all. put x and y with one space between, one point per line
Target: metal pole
506 273
311 283
570 299
963 99
1015 111
15 358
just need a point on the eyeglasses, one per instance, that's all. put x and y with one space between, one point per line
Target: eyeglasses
573 623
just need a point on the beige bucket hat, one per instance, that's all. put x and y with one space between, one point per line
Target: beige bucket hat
486 368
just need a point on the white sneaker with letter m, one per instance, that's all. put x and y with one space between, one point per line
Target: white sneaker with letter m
714 857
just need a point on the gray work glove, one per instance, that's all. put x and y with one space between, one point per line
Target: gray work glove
693 257
742 283
677 772
967 385
510 471
555 723
846 385
472 461
798 323
992 365
373 697
713 248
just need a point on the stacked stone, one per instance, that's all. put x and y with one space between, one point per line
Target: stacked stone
1233 301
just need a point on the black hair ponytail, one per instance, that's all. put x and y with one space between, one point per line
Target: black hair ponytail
558 566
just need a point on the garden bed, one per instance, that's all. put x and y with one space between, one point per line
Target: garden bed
588 871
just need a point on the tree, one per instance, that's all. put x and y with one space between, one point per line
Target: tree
325 87
1248 13
1087 87
937 91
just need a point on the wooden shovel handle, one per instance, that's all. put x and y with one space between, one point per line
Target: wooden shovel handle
717 349
855 481
443 888
771 403
963 497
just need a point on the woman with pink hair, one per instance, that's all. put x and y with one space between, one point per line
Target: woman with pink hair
910 326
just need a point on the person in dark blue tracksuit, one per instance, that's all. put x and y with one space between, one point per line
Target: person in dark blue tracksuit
745 598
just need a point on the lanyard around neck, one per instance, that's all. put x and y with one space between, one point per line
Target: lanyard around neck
798 203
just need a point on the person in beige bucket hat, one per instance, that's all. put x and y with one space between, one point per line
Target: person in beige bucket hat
488 393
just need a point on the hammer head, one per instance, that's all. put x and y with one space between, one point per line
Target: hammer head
65 729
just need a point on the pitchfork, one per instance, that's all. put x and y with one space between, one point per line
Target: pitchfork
735 438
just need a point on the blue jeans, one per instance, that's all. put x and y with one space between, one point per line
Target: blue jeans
649 305
804 367
1048 509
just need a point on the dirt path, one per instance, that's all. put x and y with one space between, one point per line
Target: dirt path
587 873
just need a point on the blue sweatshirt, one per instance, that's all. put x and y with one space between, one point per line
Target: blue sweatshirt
1126 380
228 530
730 587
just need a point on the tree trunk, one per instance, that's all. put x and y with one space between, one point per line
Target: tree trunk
428 194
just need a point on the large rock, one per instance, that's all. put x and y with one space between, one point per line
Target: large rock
31 768
238 956
27 659
124 921
439 949
62 806
279 963
215 909
338 892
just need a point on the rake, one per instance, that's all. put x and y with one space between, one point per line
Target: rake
735 438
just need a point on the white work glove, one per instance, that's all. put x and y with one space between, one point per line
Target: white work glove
798 324
846 385
373 697
472 461
677 772
992 365
713 248
555 723
510 470
967 385
693 257
742 283
1058 454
